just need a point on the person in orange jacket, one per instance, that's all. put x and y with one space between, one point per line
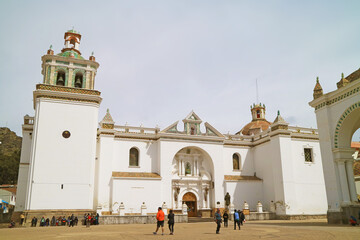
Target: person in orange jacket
160 217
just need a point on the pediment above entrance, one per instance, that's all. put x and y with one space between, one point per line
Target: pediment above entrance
192 124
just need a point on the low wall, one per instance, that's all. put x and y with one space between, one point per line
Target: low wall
137 219
260 216
343 216
300 217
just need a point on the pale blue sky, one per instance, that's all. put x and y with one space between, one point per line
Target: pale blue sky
161 59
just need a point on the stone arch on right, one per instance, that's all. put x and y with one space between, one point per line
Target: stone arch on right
338 118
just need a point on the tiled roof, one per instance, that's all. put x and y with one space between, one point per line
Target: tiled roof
69 53
354 76
108 118
135 175
12 190
355 144
257 124
241 178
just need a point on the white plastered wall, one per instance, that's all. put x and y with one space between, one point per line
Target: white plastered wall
57 161
309 179
22 183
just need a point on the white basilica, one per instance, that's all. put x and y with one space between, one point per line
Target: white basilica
71 161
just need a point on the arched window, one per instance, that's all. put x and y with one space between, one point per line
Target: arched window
187 168
60 79
134 157
78 80
236 161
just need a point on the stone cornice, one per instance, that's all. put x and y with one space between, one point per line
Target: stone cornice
67 89
336 95
67 59
53 93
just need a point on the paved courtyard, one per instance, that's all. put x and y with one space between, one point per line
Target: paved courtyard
314 229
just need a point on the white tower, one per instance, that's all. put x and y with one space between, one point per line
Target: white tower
61 157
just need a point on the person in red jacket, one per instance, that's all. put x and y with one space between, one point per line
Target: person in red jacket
160 217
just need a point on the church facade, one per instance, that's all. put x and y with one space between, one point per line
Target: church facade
70 161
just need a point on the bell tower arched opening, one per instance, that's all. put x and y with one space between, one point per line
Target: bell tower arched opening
79 80
60 79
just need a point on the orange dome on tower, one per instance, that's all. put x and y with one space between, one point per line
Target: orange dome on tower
258 123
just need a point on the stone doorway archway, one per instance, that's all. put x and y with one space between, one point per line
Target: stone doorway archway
192 180
190 200
338 117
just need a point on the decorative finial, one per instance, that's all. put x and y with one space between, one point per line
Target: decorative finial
264 105
50 46
92 53
107 110
317 79
278 112
342 75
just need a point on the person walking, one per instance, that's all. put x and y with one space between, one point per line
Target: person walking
160 217
226 218
171 222
236 220
242 217
218 221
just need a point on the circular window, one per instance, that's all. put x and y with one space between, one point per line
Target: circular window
66 134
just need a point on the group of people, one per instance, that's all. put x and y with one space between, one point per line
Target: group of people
60 221
239 219
91 219
71 221
160 217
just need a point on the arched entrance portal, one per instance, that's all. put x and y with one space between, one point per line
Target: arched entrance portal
190 200
192 181
338 117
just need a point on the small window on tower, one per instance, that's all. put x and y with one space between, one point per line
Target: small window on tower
308 155
192 132
258 113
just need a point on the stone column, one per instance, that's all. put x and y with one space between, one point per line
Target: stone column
343 182
52 76
70 77
351 180
87 80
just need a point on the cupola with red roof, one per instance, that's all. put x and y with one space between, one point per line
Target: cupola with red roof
258 123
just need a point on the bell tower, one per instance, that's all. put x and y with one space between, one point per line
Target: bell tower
258 111
63 148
